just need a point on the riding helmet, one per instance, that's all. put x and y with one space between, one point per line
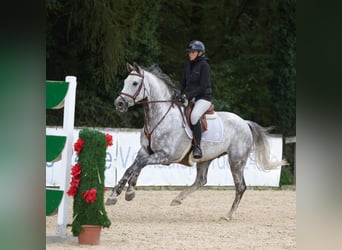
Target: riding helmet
196 45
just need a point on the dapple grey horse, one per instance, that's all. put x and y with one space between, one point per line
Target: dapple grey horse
164 140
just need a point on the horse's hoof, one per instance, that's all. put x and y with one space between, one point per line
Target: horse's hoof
175 203
129 195
111 201
225 218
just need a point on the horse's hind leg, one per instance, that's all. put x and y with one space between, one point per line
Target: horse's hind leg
237 169
201 180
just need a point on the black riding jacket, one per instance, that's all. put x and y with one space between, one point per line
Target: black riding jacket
196 79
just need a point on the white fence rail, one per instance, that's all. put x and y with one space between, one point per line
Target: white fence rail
126 145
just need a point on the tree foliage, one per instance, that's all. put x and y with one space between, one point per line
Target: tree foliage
251 46
283 84
92 40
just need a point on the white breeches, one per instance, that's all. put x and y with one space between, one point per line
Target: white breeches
201 106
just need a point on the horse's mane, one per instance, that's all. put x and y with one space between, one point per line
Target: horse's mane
156 70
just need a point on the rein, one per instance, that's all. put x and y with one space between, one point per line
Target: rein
149 134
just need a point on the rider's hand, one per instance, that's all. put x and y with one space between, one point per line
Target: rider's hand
182 99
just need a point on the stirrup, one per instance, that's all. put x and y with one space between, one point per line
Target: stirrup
197 152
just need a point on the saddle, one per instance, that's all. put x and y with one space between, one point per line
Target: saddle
203 119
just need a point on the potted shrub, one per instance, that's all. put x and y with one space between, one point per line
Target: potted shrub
87 186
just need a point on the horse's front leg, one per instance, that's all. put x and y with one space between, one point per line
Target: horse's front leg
132 182
160 157
112 199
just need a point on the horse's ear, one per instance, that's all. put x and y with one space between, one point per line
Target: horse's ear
129 67
136 67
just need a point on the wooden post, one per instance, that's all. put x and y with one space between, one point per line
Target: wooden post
68 129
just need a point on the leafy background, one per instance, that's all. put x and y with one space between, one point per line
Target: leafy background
251 45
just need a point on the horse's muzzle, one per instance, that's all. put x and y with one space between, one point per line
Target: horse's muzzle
120 104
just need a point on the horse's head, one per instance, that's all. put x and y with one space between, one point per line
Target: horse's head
133 90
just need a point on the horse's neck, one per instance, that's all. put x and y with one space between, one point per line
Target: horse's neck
157 89
158 97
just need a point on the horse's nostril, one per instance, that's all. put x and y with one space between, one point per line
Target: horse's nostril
119 103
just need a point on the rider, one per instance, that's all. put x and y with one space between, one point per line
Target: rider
196 82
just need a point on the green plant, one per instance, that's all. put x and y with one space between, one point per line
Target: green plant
87 184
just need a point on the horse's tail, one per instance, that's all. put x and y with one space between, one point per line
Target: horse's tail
262 148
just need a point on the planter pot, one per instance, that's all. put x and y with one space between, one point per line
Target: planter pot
90 235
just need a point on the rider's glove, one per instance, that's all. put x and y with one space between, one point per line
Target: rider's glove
182 99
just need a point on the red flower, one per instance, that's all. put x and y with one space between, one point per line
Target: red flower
72 191
76 170
109 139
78 145
89 195
74 184
75 181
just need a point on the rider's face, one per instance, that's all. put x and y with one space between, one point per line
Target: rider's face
193 54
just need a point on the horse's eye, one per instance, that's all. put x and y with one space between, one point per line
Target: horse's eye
135 83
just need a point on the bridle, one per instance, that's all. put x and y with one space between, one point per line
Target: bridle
141 84
143 102
137 92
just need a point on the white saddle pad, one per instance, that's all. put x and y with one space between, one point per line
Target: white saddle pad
214 133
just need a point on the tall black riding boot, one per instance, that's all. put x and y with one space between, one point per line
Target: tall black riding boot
197 131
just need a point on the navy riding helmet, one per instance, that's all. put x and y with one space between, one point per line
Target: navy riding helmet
196 45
